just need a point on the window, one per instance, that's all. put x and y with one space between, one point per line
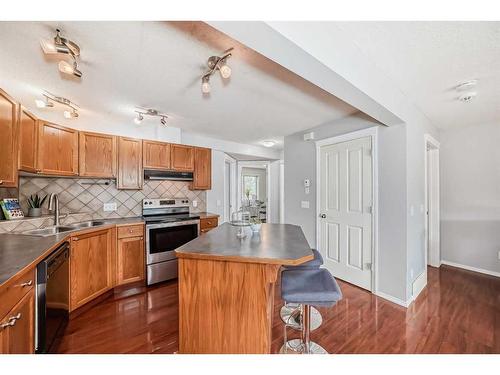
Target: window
250 187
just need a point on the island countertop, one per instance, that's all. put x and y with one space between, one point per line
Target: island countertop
275 244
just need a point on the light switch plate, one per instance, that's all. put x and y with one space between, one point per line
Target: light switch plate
304 204
108 207
219 203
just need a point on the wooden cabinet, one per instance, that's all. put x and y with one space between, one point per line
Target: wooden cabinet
130 254
129 163
91 266
97 155
156 155
202 176
208 223
57 149
28 141
8 148
17 310
17 329
182 158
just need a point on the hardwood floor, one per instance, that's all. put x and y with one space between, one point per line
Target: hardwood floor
458 312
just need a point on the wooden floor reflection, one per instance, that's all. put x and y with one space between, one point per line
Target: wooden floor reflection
458 312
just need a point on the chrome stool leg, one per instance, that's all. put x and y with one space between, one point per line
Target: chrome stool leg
291 315
304 345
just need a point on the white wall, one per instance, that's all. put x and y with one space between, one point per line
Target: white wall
470 196
215 196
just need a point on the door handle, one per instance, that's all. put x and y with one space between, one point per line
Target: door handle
323 216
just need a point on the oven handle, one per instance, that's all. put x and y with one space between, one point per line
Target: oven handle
175 224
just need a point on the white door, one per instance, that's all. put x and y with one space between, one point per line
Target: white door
346 210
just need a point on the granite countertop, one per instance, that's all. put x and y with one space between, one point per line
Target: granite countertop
19 251
276 244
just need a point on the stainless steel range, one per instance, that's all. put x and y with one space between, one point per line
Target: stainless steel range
169 224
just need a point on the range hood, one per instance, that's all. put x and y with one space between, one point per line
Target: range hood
150 174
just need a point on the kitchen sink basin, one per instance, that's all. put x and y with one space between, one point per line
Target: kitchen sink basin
87 224
45 232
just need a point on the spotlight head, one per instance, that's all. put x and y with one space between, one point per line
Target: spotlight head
43 103
67 68
205 85
139 119
225 70
71 114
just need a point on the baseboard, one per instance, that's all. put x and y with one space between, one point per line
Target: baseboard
469 268
419 285
392 299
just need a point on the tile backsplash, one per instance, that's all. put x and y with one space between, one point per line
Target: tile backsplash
87 196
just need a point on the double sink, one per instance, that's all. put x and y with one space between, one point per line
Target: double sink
59 229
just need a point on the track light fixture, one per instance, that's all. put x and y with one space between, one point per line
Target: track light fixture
61 45
141 112
49 100
216 63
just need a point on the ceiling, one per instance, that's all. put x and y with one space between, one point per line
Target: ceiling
159 65
427 60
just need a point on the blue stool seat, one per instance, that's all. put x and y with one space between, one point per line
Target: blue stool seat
310 287
314 263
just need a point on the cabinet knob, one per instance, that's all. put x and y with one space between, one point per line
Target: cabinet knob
75 238
1 182
28 283
323 216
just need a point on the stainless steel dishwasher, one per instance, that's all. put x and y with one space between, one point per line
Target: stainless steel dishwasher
52 290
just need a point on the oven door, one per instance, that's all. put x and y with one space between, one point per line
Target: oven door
163 238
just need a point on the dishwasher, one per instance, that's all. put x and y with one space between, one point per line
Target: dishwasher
52 291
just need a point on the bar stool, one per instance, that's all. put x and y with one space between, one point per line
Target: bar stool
290 313
307 287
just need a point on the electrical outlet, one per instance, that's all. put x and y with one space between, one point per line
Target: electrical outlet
195 203
108 207
499 255
304 204
219 203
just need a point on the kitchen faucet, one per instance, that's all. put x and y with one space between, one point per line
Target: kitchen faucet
54 199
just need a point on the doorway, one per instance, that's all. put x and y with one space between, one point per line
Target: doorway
346 206
432 207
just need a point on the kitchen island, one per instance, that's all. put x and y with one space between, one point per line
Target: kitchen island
226 287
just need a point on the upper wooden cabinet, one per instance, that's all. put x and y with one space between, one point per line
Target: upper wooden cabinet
28 141
57 149
129 163
156 155
91 266
97 155
202 176
182 158
8 148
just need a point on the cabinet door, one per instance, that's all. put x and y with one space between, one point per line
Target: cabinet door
18 332
57 149
91 266
97 155
28 141
131 264
202 176
182 158
8 147
129 163
156 155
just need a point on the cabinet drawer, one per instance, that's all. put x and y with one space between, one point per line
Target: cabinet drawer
208 223
15 289
131 231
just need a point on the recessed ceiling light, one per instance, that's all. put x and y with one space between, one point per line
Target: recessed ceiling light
268 143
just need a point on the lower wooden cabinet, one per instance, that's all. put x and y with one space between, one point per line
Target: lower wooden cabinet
91 266
208 223
130 260
17 328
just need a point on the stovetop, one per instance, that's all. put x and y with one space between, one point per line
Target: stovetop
170 218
